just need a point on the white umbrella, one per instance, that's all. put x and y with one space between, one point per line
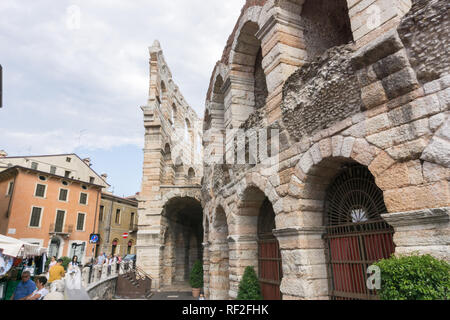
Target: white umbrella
18 248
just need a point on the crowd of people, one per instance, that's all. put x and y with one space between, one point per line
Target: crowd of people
28 289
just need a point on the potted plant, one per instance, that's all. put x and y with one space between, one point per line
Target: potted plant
196 278
249 288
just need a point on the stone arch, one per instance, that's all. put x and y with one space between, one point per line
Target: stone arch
246 62
254 211
312 193
326 24
182 229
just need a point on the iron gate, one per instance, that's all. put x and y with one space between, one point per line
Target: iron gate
356 235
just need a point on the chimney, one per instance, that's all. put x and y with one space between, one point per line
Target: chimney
87 161
104 176
3 154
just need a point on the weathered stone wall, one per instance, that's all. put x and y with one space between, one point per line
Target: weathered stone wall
104 289
365 103
173 168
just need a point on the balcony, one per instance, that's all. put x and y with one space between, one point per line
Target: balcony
63 231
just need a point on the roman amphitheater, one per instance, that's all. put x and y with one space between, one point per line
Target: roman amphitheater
325 146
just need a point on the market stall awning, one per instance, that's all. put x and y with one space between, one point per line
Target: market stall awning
18 248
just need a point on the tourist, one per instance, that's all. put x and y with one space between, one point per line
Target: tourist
101 258
56 272
73 264
52 262
25 288
40 291
201 297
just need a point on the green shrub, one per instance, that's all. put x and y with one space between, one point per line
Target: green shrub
249 288
196 278
415 277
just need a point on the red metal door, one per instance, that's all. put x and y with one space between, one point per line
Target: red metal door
356 235
269 268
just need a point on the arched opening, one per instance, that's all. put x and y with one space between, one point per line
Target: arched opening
114 246
326 25
55 247
130 247
168 172
191 175
257 220
247 63
183 235
356 235
173 117
219 257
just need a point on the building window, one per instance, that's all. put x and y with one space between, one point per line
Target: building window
43 178
67 174
65 183
68 159
100 216
132 221
117 220
59 223
40 190
63 193
53 170
80 221
84 187
83 198
35 220
91 180
10 188
34 165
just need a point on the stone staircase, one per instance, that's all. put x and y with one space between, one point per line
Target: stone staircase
133 283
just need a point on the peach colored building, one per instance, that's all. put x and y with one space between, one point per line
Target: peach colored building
53 211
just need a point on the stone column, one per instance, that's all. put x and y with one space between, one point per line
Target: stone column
243 252
206 268
219 270
424 231
304 263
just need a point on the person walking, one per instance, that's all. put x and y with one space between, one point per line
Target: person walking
73 280
56 272
52 262
101 258
25 288
40 291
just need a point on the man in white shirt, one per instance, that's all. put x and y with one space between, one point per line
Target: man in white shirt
40 291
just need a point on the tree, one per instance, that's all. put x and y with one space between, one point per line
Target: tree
249 288
196 278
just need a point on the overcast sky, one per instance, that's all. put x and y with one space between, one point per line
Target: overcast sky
75 73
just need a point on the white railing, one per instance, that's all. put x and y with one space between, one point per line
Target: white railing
99 272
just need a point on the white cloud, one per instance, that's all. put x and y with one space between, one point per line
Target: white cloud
59 82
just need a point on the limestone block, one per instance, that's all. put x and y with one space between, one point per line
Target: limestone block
433 172
347 147
400 83
409 150
306 162
336 143
431 195
315 153
438 151
437 120
373 95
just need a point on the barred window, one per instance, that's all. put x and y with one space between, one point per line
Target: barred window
35 217
52 169
34 165
10 188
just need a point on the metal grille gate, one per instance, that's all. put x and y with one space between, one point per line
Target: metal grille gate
356 235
